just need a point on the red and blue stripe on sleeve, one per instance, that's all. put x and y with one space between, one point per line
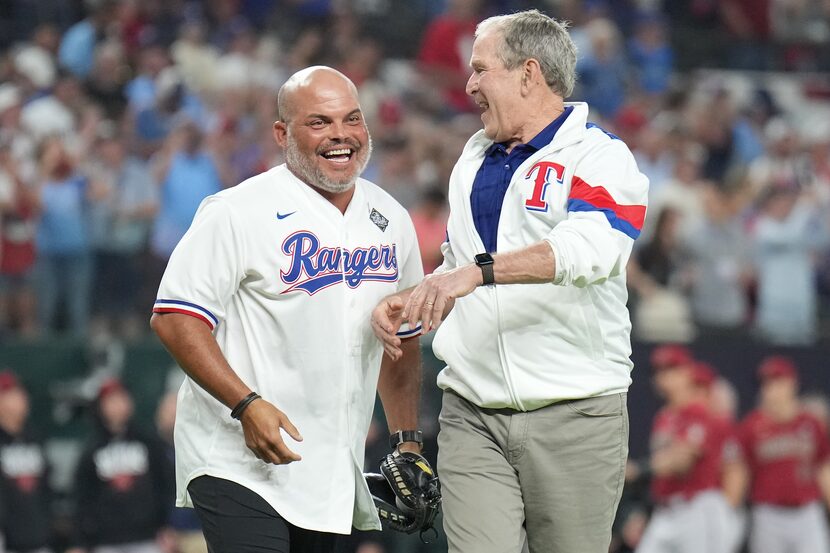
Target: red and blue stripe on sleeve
627 219
186 308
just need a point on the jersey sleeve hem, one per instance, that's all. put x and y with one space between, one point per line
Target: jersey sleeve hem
186 308
409 333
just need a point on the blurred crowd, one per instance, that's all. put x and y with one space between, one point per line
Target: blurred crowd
117 117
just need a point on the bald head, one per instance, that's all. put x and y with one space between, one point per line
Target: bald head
317 84
322 131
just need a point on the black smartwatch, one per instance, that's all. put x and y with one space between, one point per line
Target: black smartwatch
485 262
402 436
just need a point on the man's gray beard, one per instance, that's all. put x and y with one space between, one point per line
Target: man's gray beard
310 173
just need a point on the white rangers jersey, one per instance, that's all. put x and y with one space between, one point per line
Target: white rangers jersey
287 284
525 346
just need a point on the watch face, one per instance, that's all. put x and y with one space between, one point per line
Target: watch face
484 259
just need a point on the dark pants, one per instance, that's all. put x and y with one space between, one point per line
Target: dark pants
237 520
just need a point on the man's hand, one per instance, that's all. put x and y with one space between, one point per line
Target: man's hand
386 321
261 423
435 296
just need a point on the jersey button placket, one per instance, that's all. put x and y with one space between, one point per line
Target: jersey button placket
349 368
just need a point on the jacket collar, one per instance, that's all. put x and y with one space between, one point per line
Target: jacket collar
571 131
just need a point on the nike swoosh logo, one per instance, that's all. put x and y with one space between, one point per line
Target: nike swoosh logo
284 215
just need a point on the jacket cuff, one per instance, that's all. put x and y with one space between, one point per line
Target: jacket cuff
559 259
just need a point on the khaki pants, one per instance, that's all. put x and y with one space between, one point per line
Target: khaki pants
553 476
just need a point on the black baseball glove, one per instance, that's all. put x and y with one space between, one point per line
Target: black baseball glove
407 493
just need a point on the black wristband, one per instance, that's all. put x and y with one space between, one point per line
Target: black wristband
402 436
243 404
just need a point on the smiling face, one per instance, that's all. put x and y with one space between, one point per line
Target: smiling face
495 89
322 130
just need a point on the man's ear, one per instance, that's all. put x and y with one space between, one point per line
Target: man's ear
531 74
281 133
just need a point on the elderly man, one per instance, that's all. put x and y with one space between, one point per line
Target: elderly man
545 208
265 304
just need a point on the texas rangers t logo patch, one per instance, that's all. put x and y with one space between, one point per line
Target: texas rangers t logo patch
545 172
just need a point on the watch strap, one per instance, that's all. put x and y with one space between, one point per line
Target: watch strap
402 436
487 275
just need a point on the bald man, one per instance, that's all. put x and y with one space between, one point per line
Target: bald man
265 304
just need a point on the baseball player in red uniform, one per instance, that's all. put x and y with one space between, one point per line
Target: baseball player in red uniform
733 472
686 459
788 454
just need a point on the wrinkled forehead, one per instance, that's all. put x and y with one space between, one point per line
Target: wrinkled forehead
486 45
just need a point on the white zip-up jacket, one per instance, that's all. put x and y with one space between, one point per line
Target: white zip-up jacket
524 346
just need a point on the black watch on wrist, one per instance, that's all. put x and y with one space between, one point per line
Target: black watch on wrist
402 436
485 262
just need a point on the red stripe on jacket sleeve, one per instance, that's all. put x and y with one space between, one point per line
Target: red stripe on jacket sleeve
599 197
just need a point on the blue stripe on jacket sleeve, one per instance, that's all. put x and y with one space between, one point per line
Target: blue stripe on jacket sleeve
616 223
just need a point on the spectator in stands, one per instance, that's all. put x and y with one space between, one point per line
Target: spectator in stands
239 67
602 70
653 153
17 243
186 174
712 123
195 57
34 62
25 494
720 265
141 90
817 160
13 135
781 165
123 206
123 485
58 113
787 234
64 264
748 131
77 47
683 192
174 103
656 275
445 51
106 82
651 54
